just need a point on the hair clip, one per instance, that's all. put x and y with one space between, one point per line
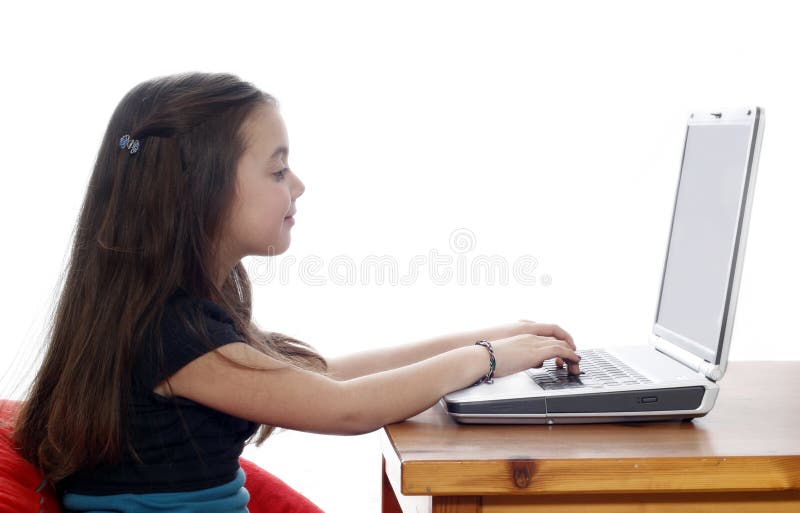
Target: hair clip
125 142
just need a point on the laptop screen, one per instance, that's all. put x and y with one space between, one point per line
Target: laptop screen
700 254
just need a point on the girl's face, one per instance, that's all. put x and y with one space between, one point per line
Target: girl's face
266 191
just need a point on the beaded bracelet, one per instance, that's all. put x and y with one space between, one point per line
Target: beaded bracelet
489 377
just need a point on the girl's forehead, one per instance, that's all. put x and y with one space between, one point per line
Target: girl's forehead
266 133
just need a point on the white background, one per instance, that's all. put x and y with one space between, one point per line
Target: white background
550 130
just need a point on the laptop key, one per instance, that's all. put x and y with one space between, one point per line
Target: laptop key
598 369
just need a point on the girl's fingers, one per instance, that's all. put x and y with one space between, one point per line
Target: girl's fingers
564 354
555 341
553 330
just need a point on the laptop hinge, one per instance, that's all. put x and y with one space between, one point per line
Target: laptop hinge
688 359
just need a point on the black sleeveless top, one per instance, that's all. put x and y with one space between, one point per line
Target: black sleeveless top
182 445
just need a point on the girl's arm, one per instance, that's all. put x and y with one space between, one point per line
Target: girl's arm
241 381
378 360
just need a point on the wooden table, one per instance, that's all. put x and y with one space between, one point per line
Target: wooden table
743 456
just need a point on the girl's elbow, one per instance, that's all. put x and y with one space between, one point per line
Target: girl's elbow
358 415
358 422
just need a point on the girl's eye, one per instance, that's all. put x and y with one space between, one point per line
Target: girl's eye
280 174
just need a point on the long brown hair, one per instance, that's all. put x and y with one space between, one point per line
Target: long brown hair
150 223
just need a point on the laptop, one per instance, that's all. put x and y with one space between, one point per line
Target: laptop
675 375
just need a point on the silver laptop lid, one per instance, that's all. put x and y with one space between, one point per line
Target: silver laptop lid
706 245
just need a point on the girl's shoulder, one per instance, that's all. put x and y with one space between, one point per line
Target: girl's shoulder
190 327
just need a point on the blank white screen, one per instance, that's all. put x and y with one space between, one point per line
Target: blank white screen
704 231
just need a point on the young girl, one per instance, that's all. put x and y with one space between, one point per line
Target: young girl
155 373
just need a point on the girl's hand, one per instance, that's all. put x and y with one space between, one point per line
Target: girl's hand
549 330
521 352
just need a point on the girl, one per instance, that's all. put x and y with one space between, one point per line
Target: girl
155 373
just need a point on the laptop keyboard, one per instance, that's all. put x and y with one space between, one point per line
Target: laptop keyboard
598 369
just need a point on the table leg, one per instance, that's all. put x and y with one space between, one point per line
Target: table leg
389 502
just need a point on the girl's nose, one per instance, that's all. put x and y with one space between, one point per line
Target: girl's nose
299 186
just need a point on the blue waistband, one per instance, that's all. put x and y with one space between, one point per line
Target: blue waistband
230 497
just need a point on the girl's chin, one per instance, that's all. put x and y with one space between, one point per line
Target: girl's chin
274 249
